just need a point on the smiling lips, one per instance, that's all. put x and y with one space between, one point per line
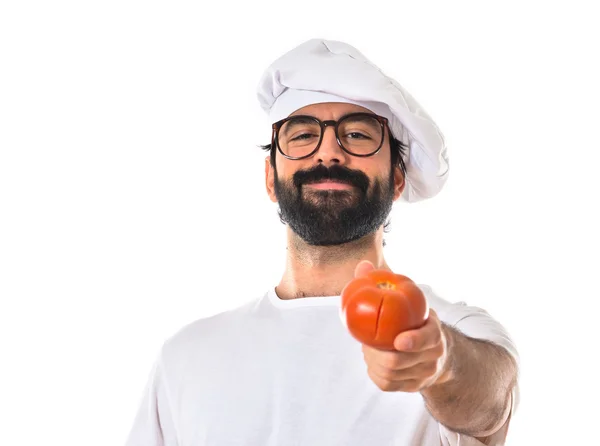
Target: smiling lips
328 184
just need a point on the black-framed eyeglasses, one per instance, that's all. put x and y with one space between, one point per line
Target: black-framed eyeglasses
359 134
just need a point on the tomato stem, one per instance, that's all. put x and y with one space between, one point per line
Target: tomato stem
386 285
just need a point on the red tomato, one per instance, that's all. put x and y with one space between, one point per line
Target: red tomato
380 305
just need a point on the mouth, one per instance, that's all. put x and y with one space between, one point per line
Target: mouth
330 185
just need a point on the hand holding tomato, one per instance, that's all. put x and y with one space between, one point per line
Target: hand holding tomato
404 343
378 305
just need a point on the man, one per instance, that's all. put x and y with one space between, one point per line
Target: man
283 370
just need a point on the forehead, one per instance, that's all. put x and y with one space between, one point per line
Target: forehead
330 110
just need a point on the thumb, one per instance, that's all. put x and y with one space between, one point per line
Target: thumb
363 267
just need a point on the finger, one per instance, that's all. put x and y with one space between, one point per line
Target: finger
422 371
394 386
399 360
363 267
424 338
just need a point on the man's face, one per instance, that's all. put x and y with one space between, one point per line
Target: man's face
333 197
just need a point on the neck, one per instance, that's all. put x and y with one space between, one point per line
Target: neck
325 270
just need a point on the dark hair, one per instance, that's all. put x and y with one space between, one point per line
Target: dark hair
397 151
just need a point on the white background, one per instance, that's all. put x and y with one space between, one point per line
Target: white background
132 196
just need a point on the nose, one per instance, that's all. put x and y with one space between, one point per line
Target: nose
330 150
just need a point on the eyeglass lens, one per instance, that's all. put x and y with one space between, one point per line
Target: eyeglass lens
358 134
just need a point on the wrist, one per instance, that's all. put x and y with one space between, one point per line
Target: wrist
447 373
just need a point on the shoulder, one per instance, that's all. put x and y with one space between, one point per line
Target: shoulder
453 313
449 312
211 332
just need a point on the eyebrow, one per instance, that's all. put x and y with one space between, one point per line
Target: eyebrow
364 118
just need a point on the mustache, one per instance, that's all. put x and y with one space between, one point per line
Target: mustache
335 172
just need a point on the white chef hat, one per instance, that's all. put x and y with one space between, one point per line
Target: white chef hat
329 71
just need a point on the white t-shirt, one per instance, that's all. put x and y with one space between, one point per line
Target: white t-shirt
287 372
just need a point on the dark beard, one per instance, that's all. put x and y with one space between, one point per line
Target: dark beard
333 217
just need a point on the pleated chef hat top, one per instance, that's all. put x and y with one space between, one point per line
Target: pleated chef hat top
320 71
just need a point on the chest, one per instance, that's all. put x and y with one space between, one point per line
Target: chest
295 388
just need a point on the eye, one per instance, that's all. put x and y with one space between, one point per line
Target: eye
357 135
360 128
302 136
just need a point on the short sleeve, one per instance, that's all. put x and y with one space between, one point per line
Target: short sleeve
476 323
153 424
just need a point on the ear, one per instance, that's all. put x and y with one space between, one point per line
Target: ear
270 179
399 182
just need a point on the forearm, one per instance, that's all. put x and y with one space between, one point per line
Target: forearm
473 395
